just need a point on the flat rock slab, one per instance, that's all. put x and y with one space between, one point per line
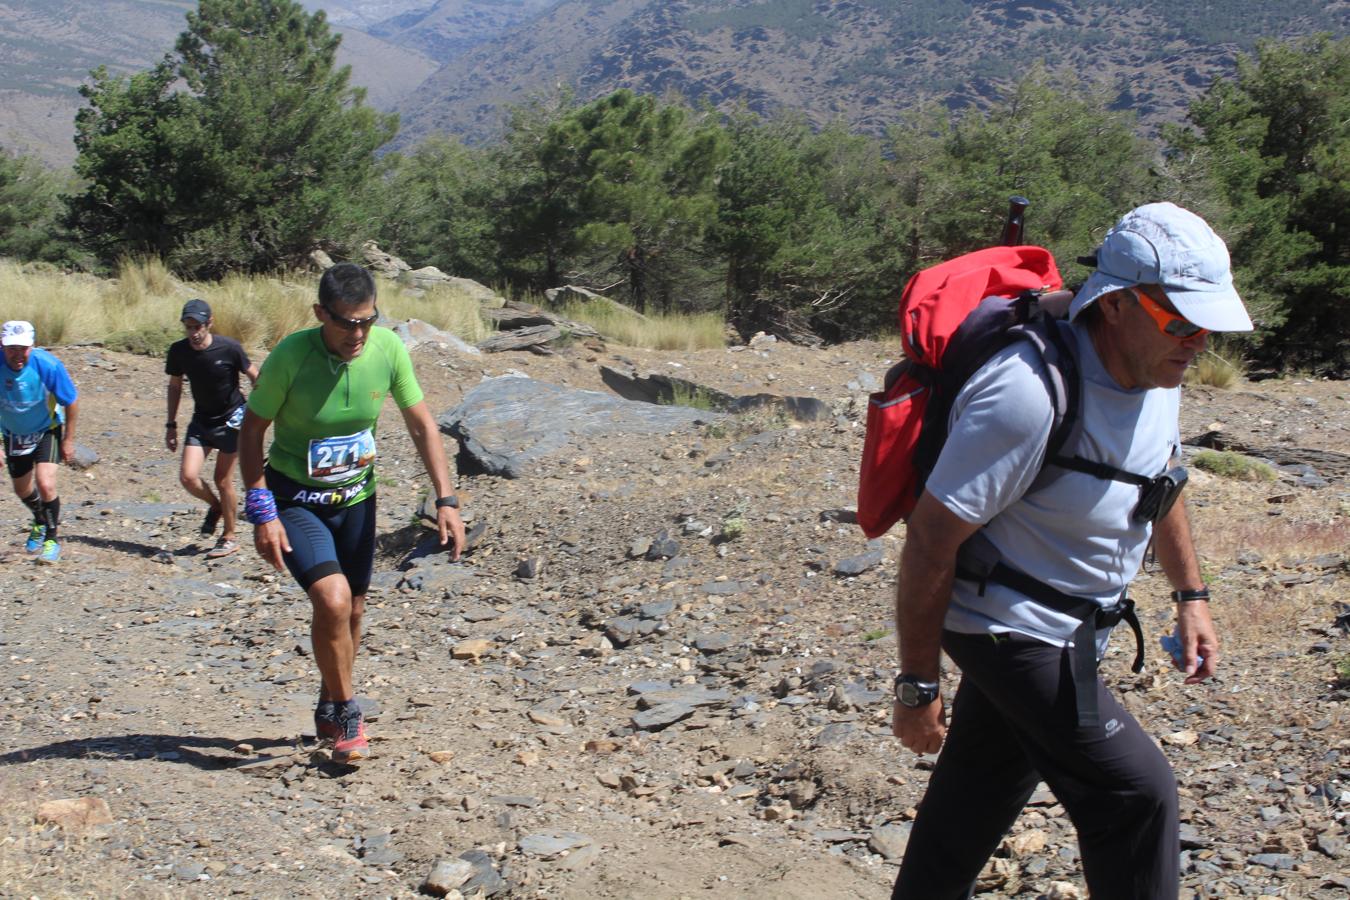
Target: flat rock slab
505 424
415 332
78 812
659 388
662 716
692 695
552 843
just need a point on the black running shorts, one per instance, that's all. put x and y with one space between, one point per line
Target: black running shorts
221 437
47 449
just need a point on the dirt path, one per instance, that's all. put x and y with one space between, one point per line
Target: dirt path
178 691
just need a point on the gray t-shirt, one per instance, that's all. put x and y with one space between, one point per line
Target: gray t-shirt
1074 533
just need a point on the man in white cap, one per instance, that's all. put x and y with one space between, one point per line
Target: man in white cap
1017 566
38 409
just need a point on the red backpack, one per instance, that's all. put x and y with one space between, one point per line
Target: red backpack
953 317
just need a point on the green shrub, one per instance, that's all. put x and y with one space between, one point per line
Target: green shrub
690 395
1233 465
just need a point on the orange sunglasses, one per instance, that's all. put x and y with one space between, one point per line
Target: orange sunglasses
1169 323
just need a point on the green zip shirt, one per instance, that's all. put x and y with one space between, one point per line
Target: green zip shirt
325 410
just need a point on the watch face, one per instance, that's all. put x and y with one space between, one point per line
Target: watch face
913 694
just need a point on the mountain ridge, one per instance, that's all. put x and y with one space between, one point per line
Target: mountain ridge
862 62
457 66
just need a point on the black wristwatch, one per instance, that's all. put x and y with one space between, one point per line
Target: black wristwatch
451 501
914 692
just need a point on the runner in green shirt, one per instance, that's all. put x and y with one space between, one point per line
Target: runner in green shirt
312 501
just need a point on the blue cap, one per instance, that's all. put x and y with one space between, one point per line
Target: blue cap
198 310
1163 244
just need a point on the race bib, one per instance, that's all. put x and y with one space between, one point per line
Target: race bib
24 444
237 417
337 459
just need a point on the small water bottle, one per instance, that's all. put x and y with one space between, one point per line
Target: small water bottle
1172 644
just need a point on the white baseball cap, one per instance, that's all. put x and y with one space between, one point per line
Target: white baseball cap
1163 244
17 334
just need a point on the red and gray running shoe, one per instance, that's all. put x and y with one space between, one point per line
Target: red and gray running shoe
351 746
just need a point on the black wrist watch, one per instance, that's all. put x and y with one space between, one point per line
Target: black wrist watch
914 692
451 501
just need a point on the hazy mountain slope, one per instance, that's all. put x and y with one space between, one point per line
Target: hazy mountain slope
47 48
862 61
362 13
451 27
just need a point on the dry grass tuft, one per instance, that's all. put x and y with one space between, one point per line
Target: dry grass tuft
140 308
444 307
702 331
1220 366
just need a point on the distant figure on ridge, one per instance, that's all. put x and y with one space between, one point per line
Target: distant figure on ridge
312 500
38 409
212 364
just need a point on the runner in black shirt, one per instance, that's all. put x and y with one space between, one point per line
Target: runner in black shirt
212 364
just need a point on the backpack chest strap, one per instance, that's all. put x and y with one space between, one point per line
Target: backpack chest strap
1099 470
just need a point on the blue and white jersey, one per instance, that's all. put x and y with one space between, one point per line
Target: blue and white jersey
33 400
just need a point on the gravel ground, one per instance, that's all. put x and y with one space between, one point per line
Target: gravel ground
617 693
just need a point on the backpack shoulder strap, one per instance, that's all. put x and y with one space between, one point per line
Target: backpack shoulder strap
1055 343
1058 347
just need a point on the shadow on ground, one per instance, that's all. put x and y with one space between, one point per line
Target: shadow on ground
161 747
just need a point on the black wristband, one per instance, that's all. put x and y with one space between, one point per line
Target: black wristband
1191 596
170 424
451 501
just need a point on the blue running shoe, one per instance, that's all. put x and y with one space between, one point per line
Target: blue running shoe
51 552
36 535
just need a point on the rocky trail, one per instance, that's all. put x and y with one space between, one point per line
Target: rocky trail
663 669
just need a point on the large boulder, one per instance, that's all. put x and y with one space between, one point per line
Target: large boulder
505 424
382 263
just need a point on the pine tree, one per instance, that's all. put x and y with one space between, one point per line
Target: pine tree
1274 144
267 154
30 212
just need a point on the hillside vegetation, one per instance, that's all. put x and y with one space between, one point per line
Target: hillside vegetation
772 223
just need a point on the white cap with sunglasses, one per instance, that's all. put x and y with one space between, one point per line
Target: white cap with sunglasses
1163 244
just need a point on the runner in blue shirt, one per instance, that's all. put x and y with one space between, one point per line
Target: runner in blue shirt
38 409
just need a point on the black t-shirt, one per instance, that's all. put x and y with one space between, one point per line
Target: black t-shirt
214 376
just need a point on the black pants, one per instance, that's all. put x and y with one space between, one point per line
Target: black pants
1014 723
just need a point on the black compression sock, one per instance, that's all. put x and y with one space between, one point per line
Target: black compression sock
52 513
34 503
